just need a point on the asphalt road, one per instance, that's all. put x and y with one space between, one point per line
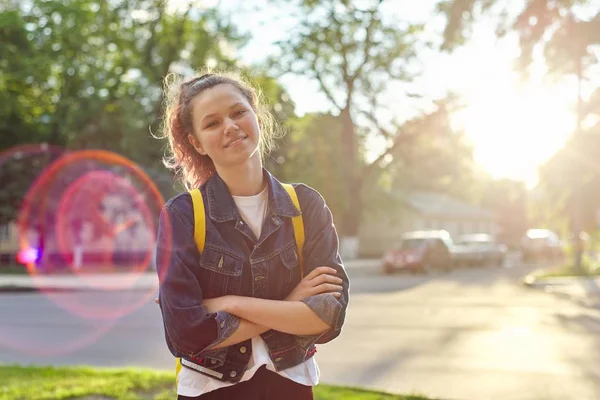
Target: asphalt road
468 334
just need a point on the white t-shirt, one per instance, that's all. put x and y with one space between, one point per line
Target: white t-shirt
192 383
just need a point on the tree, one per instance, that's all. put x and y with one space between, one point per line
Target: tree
283 109
21 116
84 74
354 54
569 181
101 88
311 154
559 26
508 201
434 156
567 31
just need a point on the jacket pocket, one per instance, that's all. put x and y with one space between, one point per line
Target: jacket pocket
221 263
289 257
290 272
221 273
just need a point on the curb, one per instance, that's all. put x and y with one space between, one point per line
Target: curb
532 281
65 284
15 289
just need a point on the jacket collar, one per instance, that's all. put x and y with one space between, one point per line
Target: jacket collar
221 206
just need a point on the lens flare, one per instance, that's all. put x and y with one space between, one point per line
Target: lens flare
87 213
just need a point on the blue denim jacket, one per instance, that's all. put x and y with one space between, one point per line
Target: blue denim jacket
235 262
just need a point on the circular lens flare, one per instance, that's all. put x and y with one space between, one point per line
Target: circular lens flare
87 195
59 187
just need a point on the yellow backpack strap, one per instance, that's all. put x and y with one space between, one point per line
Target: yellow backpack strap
199 238
298 224
199 219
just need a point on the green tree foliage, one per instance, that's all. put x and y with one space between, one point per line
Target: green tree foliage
311 154
431 156
566 29
101 66
22 104
88 74
576 165
435 157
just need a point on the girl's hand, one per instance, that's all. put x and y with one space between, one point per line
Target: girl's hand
320 280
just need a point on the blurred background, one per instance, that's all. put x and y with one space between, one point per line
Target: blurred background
456 142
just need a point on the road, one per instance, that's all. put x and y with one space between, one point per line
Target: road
468 334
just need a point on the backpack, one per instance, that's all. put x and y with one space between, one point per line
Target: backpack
200 233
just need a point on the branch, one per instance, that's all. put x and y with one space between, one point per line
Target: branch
173 52
151 44
371 117
339 37
398 140
323 86
368 43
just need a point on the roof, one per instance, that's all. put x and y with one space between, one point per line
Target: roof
438 204
432 234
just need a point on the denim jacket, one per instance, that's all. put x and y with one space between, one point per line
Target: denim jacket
234 262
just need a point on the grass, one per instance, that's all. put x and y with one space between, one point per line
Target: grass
13 269
41 383
587 269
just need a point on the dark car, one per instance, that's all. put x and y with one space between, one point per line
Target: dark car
420 252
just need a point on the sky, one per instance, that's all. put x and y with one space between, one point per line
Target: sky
514 127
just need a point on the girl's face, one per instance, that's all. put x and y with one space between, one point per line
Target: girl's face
225 126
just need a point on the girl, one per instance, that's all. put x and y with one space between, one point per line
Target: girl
240 315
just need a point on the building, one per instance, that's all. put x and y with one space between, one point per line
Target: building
422 211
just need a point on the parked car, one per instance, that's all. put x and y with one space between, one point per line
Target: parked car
478 249
541 244
420 252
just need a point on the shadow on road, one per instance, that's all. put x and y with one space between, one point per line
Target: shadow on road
584 322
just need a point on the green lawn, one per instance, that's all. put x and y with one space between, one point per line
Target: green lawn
588 269
13 269
18 382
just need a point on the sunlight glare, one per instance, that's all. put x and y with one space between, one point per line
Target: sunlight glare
516 128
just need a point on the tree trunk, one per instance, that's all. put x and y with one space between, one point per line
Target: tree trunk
353 212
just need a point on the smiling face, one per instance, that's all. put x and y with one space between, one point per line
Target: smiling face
225 127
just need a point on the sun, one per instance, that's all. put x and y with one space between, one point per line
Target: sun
515 127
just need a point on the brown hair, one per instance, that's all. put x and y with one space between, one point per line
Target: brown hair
191 167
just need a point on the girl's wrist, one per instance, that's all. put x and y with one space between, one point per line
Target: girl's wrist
233 305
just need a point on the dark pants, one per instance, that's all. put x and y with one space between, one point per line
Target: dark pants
264 385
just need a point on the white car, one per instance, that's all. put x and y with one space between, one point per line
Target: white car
478 249
541 244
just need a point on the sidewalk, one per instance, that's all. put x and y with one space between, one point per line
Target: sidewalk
87 282
363 265
127 281
584 290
